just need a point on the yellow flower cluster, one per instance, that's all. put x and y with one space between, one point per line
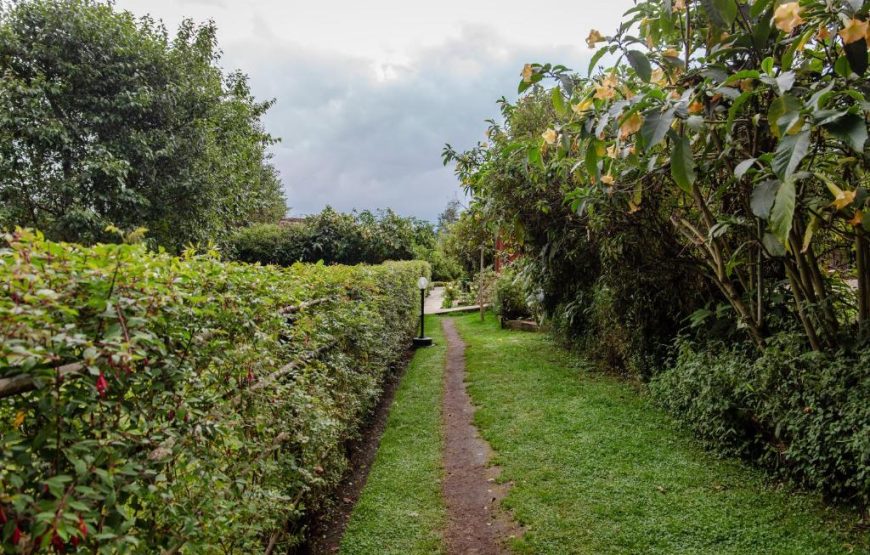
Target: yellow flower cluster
606 88
787 16
593 38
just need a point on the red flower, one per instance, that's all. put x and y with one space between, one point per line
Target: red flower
83 527
102 384
251 377
57 543
16 535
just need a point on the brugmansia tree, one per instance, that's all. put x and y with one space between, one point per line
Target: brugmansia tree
105 119
748 123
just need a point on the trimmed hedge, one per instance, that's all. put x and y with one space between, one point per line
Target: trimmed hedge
183 403
804 415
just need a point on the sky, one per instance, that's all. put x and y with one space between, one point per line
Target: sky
368 91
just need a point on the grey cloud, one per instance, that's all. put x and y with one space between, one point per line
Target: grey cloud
351 141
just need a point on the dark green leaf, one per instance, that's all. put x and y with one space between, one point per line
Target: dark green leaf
783 113
655 126
682 164
559 102
640 63
782 213
851 129
721 12
762 198
596 57
535 158
856 53
772 244
789 153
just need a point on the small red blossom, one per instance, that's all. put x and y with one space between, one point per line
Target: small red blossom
16 535
57 543
102 384
251 377
83 527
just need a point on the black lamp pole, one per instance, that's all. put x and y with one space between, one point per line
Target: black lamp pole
422 313
422 341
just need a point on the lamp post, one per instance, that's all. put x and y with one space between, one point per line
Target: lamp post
422 341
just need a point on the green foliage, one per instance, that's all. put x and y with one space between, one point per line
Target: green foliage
183 403
510 298
336 238
105 119
803 414
731 179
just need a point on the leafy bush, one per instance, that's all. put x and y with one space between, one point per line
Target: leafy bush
509 299
158 403
803 414
282 245
451 292
335 238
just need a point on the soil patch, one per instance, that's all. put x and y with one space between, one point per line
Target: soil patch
475 523
327 527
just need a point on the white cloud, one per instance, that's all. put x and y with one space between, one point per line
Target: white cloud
368 92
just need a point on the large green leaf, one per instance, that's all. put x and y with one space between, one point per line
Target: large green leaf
789 153
856 53
682 164
851 129
597 57
655 126
782 213
640 63
721 12
762 198
534 156
559 102
784 112
591 160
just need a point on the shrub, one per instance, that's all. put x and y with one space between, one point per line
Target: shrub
334 238
269 244
509 300
171 403
805 415
451 292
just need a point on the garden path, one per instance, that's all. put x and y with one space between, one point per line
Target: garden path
475 524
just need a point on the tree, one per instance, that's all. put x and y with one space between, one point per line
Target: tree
106 120
450 215
745 124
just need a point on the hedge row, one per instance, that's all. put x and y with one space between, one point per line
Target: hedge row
804 415
151 402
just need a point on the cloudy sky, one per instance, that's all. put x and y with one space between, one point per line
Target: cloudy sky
369 91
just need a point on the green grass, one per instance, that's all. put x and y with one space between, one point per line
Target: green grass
401 510
598 469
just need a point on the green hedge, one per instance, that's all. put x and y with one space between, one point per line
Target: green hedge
805 415
183 403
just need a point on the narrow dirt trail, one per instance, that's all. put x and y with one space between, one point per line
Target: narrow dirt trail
475 525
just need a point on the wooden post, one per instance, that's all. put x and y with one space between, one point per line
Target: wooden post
480 286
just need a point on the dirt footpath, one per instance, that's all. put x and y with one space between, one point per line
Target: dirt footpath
475 524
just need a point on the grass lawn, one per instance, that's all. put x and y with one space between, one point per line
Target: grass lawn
598 469
401 510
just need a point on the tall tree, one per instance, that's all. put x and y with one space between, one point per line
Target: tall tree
105 119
